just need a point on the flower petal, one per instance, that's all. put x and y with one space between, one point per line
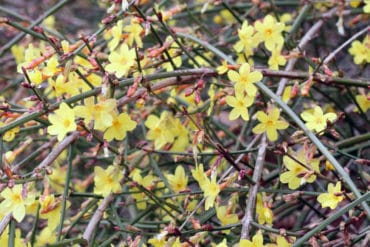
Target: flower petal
233 76
259 129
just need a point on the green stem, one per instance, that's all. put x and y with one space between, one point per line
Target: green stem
353 140
69 242
34 225
65 193
25 30
362 199
298 21
11 238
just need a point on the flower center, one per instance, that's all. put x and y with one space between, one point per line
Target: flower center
16 198
268 32
319 120
66 123
270 123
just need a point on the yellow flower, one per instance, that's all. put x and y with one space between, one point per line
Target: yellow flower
199 175
18 53
333 197
286 18
134 31
50 209
116 33
159 240
147 182
245 79
287 94
62 121
10 134
225 217
173 52
298 174
179 180
35 76
181 136
120 125
18 241
247 41
159 129
65 46
223 68
78 83
49 22
83 63
101 113
177 243
225 17
52 67
329 166
363 101
281 242
15 201
60 87
264 213
240 104
270 32
360 50
257 241
316 119
201 60
121 62
270 123
276 59
30 54
107 181
355 3
367 7
212 97
46 236
211 189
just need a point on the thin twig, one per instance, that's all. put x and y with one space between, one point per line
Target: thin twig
163 84
335 52
45 146
290 66
94 222
58 150
257 174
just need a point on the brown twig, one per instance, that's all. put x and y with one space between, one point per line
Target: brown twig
45 146
163 84
335 52
5 222
257 174
58 150
94 222
290 66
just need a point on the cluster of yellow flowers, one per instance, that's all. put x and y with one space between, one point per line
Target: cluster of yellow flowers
170 131
270 33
